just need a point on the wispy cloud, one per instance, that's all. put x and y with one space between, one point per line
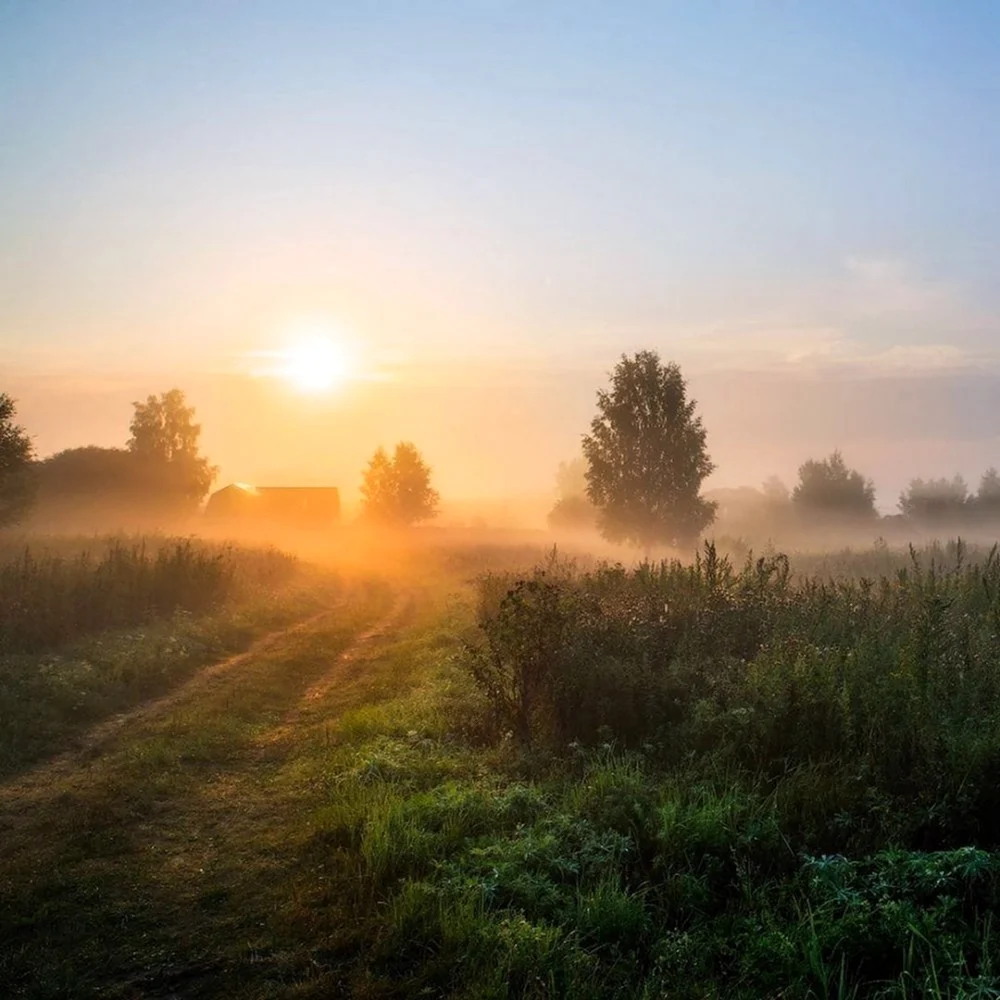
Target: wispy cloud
876 317
888 287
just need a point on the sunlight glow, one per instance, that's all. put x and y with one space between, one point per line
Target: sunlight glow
316 364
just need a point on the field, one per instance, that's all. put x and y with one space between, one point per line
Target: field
485 771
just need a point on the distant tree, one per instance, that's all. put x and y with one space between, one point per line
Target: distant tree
164 439
91 471
92 486
16 452
573 513
646 456
378 488
987 499
398 490
829 488
775 491
571 478
572 509
935 500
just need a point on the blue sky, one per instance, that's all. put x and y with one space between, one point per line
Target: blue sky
796 191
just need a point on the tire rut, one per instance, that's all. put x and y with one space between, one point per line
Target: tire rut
88 746
401 608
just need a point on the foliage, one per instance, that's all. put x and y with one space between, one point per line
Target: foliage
572 513
986 502
571 479
93 483
16 483
775 491
572 509
893 684
646 456
935 500
828 487
398 490
811 815
164 441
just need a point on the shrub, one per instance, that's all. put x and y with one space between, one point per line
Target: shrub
894 685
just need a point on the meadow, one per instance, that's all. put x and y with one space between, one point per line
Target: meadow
774 779
92 625
743 776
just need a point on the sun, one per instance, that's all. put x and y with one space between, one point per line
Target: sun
316 364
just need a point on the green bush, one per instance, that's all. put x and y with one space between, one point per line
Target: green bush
893 685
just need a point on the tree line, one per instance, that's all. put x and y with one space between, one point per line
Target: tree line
161 473
638 481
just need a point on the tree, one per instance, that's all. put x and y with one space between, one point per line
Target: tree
572 509
90 471
571 478
164 439
830 488
646 456
378 488
987 501
16 453
398 490
775 491
935 499
573 513
91 487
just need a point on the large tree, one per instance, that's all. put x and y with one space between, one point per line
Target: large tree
398 490
828 488
164 438
646 456
16 452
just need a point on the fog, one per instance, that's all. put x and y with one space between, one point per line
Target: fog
494 438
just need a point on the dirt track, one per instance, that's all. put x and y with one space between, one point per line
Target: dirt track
89 745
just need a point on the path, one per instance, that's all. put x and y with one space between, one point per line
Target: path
89 745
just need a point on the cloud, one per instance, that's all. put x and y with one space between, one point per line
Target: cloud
887 287
876 317
821 349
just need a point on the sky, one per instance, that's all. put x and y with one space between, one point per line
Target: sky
491 201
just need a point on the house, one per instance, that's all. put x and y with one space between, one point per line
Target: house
298 506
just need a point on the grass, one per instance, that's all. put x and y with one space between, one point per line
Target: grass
135 618
762 784
51 594
149 871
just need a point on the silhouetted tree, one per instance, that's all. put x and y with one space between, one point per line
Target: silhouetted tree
398 490
16 451
164 440
646 456
828 487
775 491
575 513
571 478
935 500
378 488
88 471
572 509
987 499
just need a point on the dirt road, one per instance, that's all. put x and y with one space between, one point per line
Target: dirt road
146 861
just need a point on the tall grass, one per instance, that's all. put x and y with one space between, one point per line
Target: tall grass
49 596
890 685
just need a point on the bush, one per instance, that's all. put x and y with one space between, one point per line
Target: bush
894 685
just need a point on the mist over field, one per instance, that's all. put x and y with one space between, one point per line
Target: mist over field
499 501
